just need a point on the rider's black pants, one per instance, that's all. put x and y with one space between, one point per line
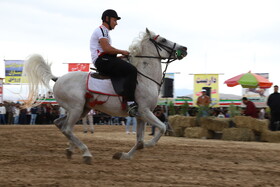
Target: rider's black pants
113 66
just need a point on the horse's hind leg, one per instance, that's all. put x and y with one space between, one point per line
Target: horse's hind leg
66 129
59 123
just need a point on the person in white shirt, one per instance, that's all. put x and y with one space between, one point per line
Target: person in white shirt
104 57
88 118
16 114
62 112
2 114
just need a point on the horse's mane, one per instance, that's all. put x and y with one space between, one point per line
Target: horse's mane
136 47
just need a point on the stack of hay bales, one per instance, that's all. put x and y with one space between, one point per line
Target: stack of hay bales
214 124
251 123
180 123
197 132
238 134
270 136
246 128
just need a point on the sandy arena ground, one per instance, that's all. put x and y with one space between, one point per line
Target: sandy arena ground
34 156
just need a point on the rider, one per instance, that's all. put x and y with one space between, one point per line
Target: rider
104 57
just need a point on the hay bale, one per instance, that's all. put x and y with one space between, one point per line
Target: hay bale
179 132
256 125
180 123
270 136
197 132
238 134
215 124
173 121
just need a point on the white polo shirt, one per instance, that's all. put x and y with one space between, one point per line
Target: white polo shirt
2 110
95 47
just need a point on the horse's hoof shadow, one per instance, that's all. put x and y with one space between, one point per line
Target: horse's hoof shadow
87 160
68 154
117 156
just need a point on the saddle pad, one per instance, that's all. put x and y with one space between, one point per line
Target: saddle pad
100 86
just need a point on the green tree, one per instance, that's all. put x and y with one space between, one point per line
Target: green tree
171 108
201 110
184 108
233 110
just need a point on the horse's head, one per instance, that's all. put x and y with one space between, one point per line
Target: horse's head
165 49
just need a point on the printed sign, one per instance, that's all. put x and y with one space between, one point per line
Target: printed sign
13 72
209 82
78 67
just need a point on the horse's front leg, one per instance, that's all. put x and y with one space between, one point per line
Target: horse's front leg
139 142
152 119
149 117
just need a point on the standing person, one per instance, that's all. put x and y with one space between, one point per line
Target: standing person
62 112
273 102
104 57
23 116
41 114
262 113
9 113
160 115
89 118
130 121
250 109
203 101
2 114
48 113
34 112
16 114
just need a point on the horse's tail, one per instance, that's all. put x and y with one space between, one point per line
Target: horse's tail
38 73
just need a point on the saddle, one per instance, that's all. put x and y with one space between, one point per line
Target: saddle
116 82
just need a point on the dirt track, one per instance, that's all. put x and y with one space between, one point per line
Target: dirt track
34 156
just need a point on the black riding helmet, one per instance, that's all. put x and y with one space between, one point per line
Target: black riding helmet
111 14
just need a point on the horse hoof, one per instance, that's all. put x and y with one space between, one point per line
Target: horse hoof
69 154
117 156
87 160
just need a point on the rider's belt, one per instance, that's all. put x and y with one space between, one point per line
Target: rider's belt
101 54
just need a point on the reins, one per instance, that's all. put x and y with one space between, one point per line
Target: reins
159 47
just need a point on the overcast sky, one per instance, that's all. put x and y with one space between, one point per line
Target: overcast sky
222 36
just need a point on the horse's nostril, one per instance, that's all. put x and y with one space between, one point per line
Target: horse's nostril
184 48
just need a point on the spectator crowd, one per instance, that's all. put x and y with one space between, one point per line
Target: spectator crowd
15 113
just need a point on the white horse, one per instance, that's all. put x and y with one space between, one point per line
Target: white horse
69 90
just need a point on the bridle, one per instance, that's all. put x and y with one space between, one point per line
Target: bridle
159 47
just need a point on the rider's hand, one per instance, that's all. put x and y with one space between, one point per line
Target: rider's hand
124 52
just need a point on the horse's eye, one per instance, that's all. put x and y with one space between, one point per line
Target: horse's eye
163 40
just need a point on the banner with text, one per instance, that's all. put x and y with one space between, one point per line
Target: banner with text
13 72
78 67
209 82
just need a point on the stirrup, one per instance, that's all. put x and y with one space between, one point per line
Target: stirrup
133 110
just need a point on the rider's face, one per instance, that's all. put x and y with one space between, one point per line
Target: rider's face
113 22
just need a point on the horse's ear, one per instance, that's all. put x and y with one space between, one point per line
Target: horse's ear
148 31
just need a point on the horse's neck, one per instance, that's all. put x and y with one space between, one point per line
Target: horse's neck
150 67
